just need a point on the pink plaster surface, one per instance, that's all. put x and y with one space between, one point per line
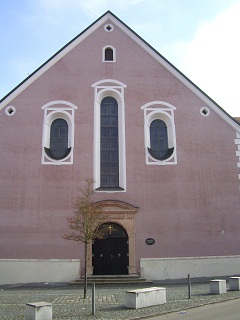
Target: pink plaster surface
190 209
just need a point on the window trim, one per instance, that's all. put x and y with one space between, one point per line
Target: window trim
115 89
10 111
205 111
53 110
164 111
103 53
108 27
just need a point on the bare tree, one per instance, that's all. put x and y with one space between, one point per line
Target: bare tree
85 222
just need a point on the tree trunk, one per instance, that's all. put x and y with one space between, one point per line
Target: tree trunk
85 273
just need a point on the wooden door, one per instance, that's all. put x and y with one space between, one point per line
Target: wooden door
110 255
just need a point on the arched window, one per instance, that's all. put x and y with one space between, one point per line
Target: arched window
159 140
58 140
109 157
108 54
109 136
58 133
159 131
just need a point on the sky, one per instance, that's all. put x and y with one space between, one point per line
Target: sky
199 37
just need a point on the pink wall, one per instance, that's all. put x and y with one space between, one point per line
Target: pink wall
190 209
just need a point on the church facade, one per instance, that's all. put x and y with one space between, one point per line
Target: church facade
165 160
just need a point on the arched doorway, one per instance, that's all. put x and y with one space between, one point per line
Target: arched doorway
110 253
123 214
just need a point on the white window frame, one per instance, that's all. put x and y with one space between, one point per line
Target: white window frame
54 110
10 111
115 89
164 111
108 27
205 111
103 53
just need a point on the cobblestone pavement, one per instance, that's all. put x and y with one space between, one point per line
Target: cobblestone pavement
68 303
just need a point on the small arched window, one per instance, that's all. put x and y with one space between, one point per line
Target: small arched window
58 140
108 54
159 140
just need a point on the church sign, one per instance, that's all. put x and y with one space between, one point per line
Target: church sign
150 241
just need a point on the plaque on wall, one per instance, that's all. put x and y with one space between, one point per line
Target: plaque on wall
150 241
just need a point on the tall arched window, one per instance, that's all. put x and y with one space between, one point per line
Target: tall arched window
109 170
159 140
109 157
58 140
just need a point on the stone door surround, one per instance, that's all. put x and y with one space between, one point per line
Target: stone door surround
123 214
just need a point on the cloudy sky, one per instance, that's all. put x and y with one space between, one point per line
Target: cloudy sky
200 37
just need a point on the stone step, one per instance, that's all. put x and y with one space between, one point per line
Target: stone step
112 280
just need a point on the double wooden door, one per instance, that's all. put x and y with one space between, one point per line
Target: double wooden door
110 255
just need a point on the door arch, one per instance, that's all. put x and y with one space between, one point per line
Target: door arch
110 253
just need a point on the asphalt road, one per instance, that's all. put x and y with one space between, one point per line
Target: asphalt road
229 310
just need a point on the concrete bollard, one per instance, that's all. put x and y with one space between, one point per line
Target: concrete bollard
141 298
234 283
217 286
39 311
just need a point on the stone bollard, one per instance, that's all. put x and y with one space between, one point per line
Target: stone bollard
217 286
141 298
39 311
234 283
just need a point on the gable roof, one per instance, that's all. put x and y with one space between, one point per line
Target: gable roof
109 16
